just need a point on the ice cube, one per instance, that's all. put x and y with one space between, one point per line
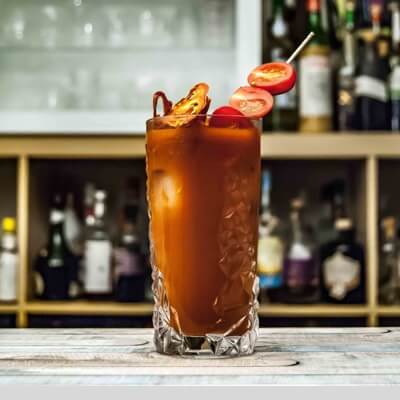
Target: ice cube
165 190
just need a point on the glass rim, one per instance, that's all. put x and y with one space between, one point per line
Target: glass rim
182 116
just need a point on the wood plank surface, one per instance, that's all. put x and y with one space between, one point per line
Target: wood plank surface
127 356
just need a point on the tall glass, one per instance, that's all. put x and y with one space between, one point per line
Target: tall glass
203 189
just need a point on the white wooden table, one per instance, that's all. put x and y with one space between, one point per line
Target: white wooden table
126 356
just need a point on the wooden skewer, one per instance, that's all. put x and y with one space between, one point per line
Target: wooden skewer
300 48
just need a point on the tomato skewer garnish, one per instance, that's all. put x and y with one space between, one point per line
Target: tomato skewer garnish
167 105
229 117
252 102
276 77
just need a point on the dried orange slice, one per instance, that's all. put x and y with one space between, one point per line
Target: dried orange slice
190 107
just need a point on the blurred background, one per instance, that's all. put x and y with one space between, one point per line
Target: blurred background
76 84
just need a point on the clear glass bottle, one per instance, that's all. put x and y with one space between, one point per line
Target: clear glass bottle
342 264
389 265
9 261
300 268
129 259
73 231
270 246
98 252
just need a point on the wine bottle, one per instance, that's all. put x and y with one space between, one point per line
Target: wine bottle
315 77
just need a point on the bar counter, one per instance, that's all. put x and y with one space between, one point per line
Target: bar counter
126 356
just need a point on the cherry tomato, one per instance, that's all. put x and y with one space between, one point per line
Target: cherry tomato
227 116
252 102
276 77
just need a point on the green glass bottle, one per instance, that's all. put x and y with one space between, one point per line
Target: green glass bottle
284 114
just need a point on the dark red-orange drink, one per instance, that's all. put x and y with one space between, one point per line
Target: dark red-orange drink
203 193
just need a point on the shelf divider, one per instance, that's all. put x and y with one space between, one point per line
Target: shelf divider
372 186
23 226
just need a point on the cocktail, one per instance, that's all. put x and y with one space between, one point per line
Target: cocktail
203 192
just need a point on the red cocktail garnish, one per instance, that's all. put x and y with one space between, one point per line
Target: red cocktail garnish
229 117
252 102
275 77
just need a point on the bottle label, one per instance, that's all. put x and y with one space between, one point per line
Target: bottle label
395 84
270 256
98 266
315 86
8 276
300 272
341 274
127 263
371 87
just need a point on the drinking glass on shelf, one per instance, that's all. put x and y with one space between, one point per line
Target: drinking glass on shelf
217 23
51 25
116 25
110 90
187 27
84 88
155 25
55 91
13 24
19 91
88 24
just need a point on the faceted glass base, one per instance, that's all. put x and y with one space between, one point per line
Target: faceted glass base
171 342
168 341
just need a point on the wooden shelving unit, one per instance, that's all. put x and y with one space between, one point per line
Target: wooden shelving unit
368 149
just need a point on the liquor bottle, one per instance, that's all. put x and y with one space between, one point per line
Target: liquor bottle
8 261
389 268
88 204
284 114
332 207
53 265
394 80
372 101
72 227
98 252
270 246
346 75
342 264
129 260
129 265
300 268
315 77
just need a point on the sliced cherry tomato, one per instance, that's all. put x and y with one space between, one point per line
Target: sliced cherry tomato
252 102
167 105
190 107
276 77
227 116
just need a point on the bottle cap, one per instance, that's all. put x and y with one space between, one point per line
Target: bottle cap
8 224
313 5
